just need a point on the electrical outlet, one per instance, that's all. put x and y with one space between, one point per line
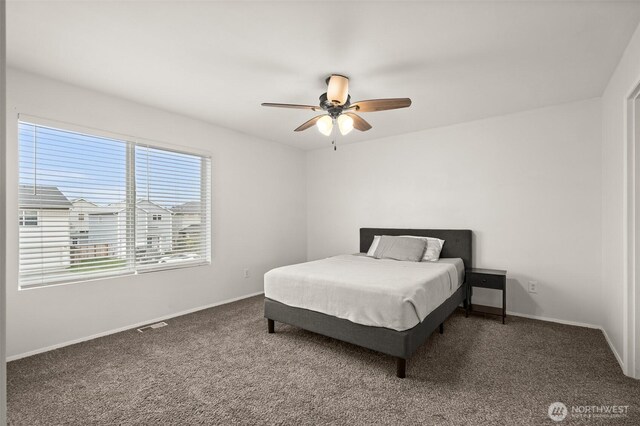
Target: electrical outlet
533 286
246 273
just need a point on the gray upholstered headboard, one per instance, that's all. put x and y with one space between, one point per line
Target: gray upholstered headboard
457 241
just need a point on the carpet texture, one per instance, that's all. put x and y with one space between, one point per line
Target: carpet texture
219 366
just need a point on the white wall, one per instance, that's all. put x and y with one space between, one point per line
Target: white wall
527 184
259 220
624 80
3 395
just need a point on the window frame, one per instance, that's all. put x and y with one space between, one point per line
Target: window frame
131 142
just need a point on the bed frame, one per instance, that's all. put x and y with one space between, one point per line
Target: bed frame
399 344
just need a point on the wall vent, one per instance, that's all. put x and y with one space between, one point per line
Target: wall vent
152 326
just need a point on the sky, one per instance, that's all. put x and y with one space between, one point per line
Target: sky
94 168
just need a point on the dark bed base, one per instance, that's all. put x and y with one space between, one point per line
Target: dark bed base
399 344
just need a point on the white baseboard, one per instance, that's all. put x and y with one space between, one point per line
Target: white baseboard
613 349
128 327
578 324
559 321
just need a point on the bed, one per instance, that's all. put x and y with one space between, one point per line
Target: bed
351 297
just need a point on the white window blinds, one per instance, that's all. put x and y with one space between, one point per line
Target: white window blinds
92 207
171 217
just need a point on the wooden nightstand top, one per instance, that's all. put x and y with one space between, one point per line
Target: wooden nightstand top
487 271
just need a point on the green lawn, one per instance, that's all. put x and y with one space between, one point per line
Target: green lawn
96 264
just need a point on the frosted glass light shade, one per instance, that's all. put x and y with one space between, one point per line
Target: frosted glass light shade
338 89
345 124
325 125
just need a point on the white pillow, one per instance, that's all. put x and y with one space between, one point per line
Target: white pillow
374 245
431 254
434 247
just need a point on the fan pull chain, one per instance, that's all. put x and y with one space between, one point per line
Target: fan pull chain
334 134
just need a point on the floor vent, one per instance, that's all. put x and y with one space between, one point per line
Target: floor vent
152 326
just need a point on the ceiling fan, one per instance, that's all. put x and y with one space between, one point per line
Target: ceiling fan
338 109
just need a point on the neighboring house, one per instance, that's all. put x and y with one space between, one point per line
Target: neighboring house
107 232
44 228
79 228
187 223
78 220
153 228
189 239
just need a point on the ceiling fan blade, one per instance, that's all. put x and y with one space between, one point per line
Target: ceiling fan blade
309 123
293 106
381 104
359 123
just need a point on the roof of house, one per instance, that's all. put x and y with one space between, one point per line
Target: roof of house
42 197
191 228
82 200
139 202
190 207
148 206
106 210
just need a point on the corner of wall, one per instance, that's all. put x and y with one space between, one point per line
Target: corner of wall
614 195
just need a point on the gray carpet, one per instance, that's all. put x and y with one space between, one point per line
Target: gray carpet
219 366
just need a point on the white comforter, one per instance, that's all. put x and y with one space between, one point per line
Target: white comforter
375 292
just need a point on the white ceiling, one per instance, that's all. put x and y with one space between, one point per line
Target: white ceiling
217 61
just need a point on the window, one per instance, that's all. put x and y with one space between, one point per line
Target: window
143 207
28 218
173 208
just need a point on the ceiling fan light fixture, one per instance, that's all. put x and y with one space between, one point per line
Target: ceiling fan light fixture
338 89
345 124
325 125
338 112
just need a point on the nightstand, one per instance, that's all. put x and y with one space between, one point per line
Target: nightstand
487 278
